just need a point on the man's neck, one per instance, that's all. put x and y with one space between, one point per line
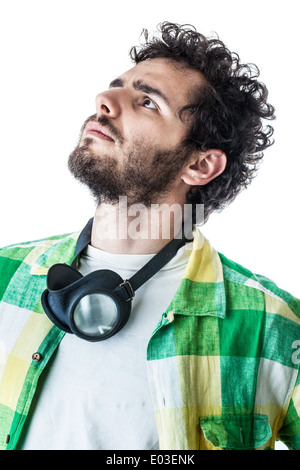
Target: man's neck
136 229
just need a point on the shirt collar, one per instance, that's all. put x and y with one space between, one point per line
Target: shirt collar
202 289
57 251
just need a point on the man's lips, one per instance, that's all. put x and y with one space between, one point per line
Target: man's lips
99 131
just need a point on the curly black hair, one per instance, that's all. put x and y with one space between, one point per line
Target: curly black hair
227 112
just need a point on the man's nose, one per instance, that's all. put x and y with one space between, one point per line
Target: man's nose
108 104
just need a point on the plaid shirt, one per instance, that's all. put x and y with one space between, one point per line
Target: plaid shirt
223 361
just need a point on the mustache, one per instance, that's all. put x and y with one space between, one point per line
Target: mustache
105 122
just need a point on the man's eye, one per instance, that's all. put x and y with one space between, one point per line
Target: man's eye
149 103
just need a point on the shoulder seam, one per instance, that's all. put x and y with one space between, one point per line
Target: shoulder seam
253 281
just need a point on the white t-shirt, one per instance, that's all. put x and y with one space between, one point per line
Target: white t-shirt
96 395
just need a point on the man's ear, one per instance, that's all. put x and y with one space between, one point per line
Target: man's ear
204 167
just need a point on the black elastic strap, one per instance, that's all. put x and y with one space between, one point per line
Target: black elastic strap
158 261
83 241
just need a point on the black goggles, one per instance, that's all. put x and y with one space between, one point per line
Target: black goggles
96 306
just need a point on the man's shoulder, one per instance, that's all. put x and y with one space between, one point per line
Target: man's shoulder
24 265
36 252
21 250
258 286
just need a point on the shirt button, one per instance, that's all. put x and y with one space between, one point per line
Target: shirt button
36 357
171 316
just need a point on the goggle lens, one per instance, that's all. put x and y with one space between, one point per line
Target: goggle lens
95 315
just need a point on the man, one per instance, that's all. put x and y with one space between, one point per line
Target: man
208 355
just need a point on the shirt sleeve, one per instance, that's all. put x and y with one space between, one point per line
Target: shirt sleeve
289 433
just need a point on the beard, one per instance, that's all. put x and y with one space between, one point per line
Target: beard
145 176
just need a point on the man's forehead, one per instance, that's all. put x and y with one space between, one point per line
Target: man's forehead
166 74
162 68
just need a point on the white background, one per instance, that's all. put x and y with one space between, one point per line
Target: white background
56 56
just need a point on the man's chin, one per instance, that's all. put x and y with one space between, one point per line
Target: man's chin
86 142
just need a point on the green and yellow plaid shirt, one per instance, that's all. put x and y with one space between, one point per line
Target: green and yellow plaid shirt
223 361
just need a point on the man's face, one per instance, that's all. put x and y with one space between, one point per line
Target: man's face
133 145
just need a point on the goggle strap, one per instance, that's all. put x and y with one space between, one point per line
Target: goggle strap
157 262
83 241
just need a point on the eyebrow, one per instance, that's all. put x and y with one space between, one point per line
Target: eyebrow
141 86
